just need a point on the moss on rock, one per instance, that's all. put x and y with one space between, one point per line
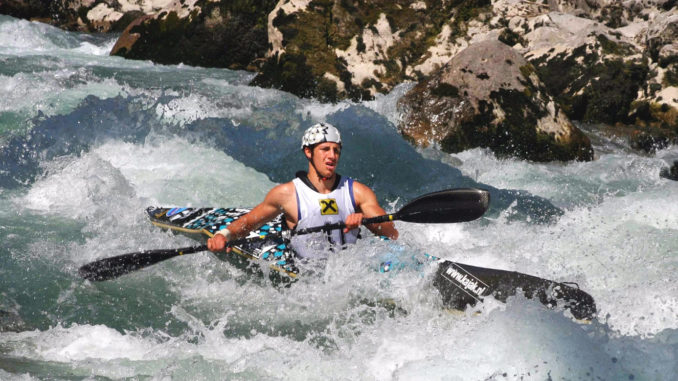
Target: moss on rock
590 88
202 40
445 90
671 76
511 38
327 26
289 72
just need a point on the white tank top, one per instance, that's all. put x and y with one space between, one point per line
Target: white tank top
316 209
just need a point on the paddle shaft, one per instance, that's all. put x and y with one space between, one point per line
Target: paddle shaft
454 205
113 267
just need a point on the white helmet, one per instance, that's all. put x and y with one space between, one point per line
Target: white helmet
320 133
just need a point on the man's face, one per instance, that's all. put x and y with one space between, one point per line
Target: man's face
325 158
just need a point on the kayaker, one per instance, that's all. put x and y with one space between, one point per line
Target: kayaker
314 198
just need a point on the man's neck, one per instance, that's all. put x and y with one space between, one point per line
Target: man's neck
322 186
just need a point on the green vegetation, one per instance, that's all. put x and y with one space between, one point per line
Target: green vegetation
610 47
527 70
511 38
445 90
169 39
591 90
289 72
608 99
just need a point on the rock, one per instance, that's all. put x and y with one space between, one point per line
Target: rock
128 38
10 321
26 9
593 72
490 96
216 34
657 106
652 139
334 50
671 172
663 31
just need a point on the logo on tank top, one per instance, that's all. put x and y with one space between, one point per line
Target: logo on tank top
328 206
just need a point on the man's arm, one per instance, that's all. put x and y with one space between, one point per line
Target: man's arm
271 207
368 206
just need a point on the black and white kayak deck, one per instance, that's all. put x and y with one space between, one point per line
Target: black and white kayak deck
202 223
460 285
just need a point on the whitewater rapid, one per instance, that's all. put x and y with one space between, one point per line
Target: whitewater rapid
89 141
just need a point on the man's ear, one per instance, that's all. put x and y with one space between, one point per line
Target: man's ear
308 151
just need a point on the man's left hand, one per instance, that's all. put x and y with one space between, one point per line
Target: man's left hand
353 221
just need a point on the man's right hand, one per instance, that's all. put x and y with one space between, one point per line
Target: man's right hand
218 243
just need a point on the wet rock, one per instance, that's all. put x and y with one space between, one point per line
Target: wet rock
216 34
671 172
10 321
490 96
652 139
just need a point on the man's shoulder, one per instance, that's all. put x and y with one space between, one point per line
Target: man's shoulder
362 192
284 189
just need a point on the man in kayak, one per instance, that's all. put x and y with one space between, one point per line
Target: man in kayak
316 198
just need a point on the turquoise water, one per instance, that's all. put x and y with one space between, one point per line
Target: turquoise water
89 141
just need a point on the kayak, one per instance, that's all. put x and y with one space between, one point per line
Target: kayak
460 285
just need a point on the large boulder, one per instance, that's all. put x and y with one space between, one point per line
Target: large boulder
671 172
490 96
208 33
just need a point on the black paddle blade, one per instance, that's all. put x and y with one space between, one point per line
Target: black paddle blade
463 285
113 267
448 206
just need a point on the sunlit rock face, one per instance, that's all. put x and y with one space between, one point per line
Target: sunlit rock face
94 15
606 62
335 50
490 96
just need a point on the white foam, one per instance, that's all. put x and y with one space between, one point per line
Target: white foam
176 172
78 187
58 92
387 104
96 50
21 36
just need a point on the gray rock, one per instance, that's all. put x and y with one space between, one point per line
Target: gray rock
490 96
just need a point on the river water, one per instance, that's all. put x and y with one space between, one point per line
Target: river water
89 141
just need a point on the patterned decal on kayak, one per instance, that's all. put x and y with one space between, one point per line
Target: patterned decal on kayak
273 250
174 211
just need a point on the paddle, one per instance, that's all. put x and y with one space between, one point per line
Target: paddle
448 206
